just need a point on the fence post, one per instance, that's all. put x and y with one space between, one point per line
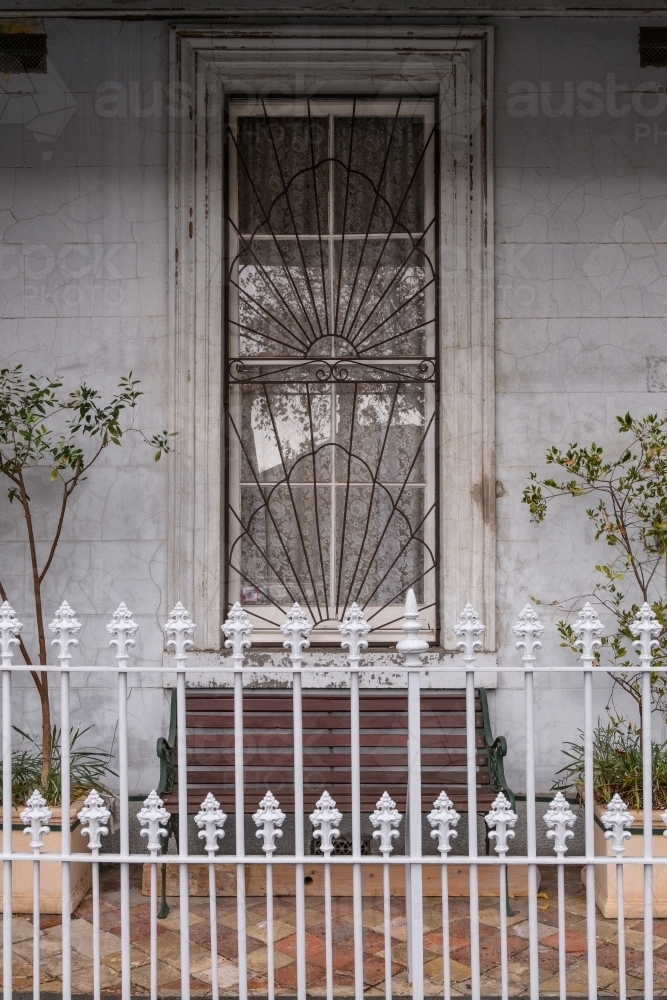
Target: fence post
469 631
528 630
296 629
270 818
237 630
154 817
34 817
354 628
560 819
179 628
122 630
10 629
65 628
412 647
646 628
588 628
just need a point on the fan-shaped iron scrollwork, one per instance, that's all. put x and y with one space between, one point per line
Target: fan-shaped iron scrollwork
332 370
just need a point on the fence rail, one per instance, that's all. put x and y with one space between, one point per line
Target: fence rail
391 830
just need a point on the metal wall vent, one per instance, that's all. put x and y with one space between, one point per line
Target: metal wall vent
653 46
22 53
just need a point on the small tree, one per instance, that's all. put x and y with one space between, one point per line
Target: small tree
631 516
60 437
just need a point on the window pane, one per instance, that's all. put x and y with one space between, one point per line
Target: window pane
277 162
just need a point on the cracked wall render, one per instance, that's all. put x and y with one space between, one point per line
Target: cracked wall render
581 290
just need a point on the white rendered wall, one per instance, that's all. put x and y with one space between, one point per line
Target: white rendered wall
581 291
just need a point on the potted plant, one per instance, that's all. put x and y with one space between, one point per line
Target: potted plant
88 766
49 441
617 770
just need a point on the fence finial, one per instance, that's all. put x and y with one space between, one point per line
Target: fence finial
442 818
469 631
10 628
180 627
93 818
210 819
354 628
326 819
503 819
124 629
617 821
154 817
645 627
385 819
34 817
528 631
588 628
560 819
65 628
270 818
412 646
296 628
237 630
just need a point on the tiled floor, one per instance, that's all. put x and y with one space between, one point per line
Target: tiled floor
285 946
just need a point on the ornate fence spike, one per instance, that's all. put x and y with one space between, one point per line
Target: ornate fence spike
154 817
93 818
325 819
270 818
354 628
588 628
180 627
528 631
237 630
503 819
34 817
296 628
123 629
617 821
210 819
65 628
385 819
469 632
646 627
10 628
560 819
443 817
412 646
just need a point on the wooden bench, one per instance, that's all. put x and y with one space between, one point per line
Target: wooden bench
268 749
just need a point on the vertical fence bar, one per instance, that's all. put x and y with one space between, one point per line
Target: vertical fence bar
269 818
528 630
10 628
92 817
181 627
65 628
211 819
469 631
588 628
296 630
560 819
386 819
618 821
326 820
501 822
354 628
237 630
412 647
122 630
443 818
34 817
646 628
154 818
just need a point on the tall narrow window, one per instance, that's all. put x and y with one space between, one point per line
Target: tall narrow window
332 362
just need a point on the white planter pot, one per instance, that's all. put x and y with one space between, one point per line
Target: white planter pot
633 875
51 871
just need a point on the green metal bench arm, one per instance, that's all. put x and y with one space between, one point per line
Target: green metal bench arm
496 751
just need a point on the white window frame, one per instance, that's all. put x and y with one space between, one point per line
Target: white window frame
455 65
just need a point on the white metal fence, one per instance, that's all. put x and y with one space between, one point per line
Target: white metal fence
386 821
